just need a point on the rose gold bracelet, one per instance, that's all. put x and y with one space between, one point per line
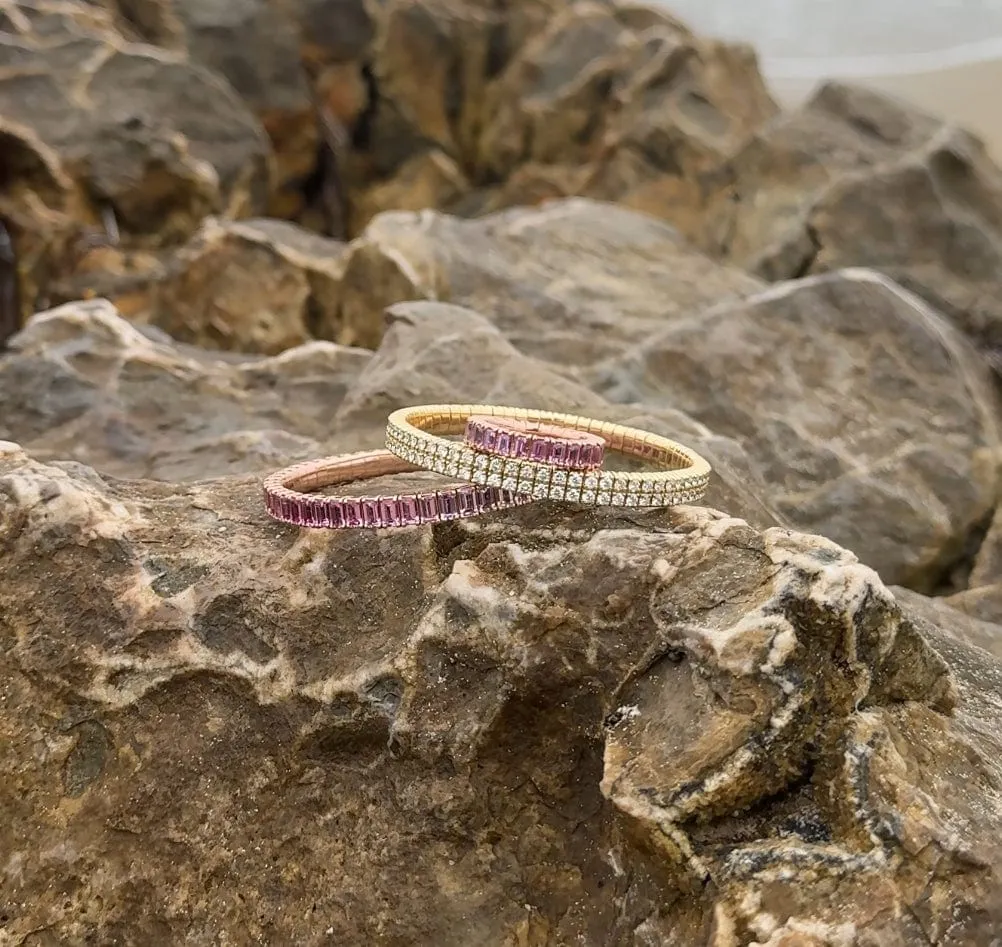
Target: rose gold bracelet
288 495
533 440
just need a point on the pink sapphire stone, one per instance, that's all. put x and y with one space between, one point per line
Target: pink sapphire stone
352 514
448 508
428 507
388 514
409 515
466 499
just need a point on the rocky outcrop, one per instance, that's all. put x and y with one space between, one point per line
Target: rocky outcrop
855 460
854 178
614 728
538 728
329 114
255 285
105 137
830 383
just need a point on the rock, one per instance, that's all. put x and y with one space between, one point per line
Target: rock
152 408
631 95
255 286
870 421
476 107
429 179
254 46
940 613
153 146
854 178
544 727
82 383
571 283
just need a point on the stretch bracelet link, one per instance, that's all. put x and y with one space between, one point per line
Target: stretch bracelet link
415 434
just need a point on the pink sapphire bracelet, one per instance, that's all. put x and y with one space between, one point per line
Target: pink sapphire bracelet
288 495
531 440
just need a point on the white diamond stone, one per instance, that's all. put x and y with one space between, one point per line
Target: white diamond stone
588 496
603 498
619 499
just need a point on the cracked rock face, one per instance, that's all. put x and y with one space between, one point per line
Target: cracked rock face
546 727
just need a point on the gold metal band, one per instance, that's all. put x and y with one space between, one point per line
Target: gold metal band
414 434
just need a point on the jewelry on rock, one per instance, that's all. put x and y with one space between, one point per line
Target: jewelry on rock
415 435
533 440
289 498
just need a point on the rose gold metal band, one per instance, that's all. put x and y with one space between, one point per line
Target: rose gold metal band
289 495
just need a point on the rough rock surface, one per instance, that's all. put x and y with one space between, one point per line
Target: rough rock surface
857 460
535 729
870 419
254 46
547 727
83 383
854 178
571 282
254 285
622 103
100 134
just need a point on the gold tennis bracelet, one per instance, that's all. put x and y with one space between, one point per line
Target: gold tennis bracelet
414 434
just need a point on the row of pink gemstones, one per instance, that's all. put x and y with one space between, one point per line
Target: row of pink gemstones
407 510
553 451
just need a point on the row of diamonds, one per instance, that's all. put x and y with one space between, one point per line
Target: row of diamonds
455 459
602 488
574 452
377 512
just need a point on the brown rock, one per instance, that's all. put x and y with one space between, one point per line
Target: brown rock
254 46
151 147
571 282
547 727
630 94
83 384
429 179
857 179
829 384
255 286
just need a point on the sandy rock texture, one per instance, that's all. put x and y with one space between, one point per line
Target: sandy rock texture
542 728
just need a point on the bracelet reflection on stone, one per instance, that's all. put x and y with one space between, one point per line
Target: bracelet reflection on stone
415 434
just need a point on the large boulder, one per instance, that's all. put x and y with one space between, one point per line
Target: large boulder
855 178
869 418
82 383
545 727
104 137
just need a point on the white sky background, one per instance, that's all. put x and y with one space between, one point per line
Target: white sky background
803 38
